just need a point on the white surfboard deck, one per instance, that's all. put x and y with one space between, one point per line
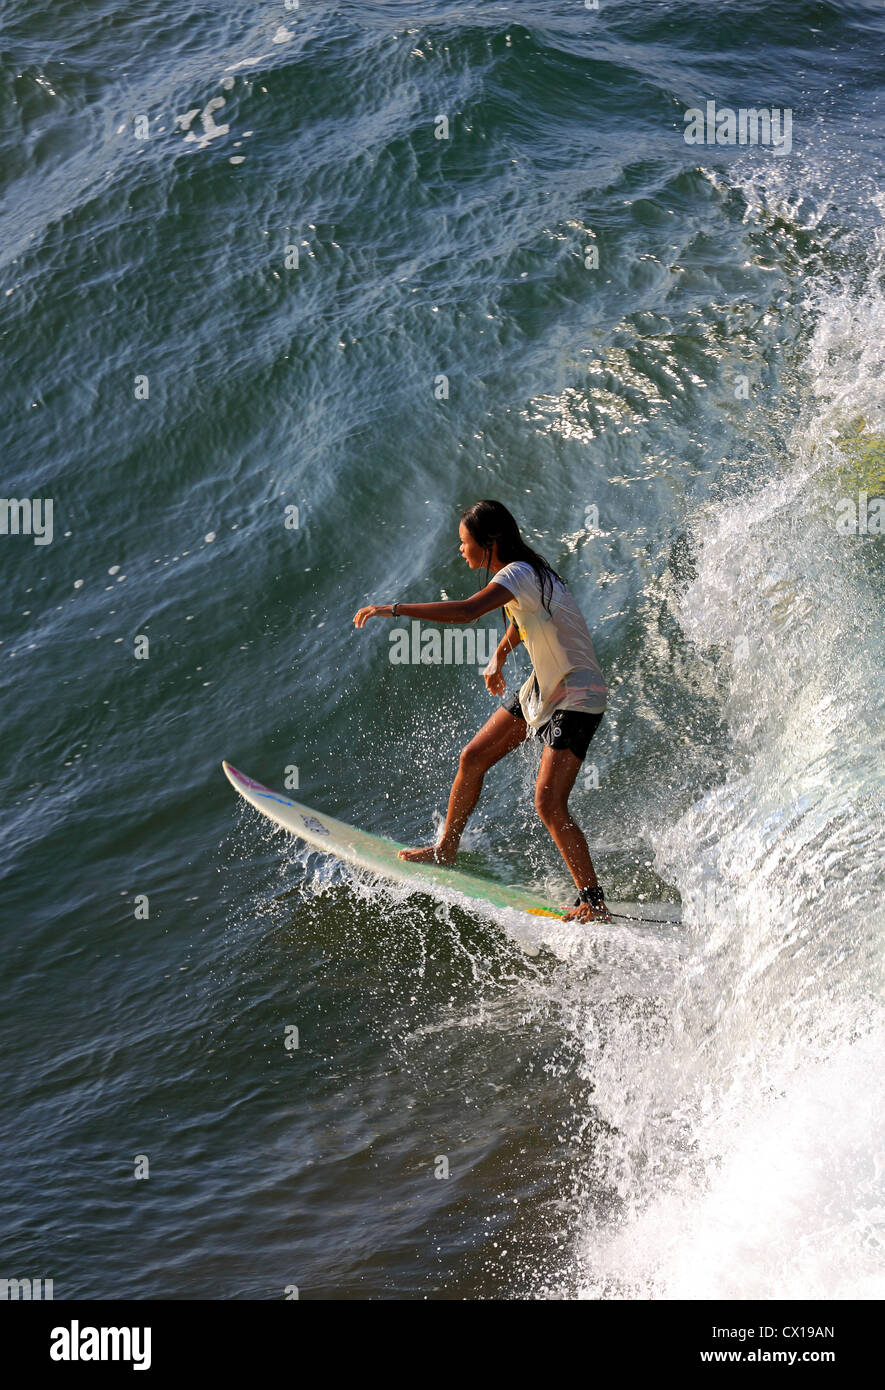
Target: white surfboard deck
517 908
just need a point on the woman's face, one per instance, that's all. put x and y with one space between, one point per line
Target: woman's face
471 551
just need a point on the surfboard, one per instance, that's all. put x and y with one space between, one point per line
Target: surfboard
378 855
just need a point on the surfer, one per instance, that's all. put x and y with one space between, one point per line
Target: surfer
561 703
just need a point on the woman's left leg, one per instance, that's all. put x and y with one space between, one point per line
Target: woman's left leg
556 777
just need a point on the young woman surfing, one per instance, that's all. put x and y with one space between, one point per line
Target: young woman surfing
561 703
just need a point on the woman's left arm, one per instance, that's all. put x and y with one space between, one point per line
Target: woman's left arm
446 611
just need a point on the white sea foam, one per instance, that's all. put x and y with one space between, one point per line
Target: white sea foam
741 1133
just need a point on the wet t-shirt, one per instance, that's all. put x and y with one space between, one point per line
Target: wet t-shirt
565 671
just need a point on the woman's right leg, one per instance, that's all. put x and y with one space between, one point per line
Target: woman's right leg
497 737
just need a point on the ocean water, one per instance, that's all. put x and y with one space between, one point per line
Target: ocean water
680 423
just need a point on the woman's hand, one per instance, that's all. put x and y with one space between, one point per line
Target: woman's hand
374 610
494 680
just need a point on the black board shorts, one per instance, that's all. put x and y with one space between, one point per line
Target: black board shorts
566 728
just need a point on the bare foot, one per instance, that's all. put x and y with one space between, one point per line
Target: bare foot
586 912
429 854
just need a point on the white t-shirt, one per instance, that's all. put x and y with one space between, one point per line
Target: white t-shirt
565 672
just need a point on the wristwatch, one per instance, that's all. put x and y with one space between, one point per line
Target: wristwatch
393 610
594 896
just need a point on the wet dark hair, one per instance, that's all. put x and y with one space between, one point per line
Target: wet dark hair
489 521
